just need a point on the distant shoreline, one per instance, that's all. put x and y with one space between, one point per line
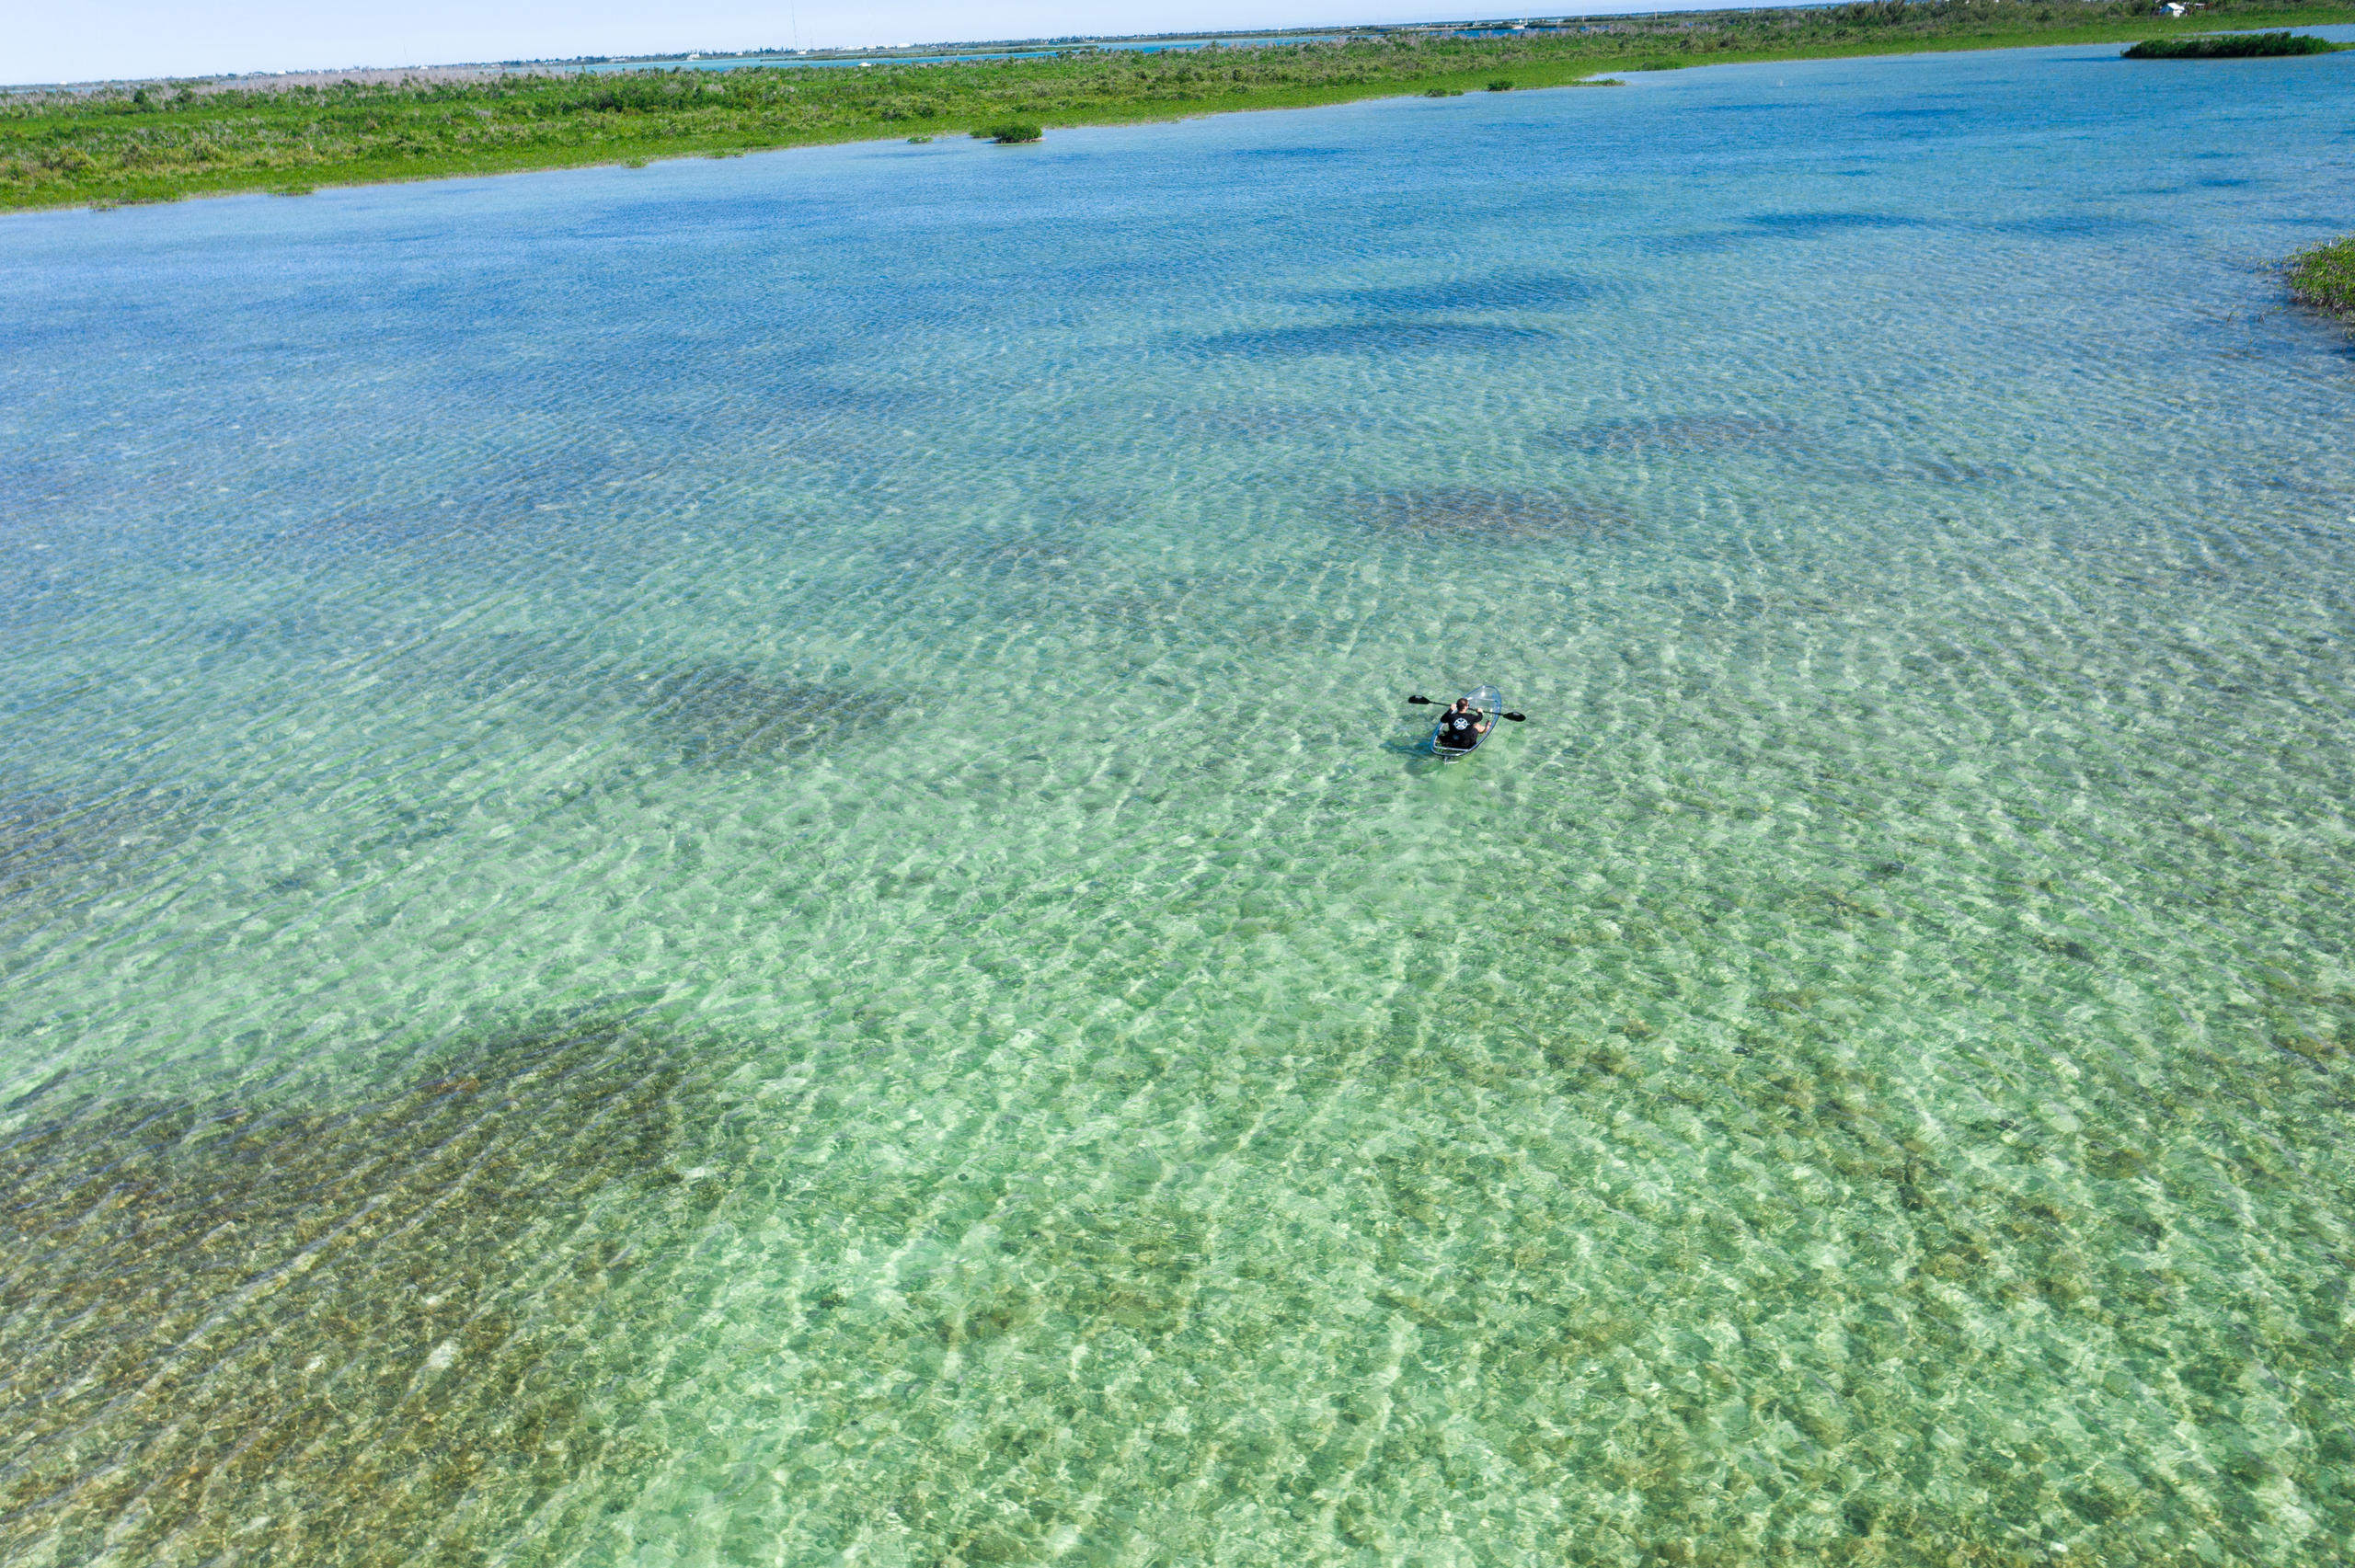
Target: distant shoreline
747 59
144 144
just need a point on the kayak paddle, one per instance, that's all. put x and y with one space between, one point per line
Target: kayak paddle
1429 701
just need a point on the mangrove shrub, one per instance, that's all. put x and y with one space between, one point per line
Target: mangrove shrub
2323 277
2230 46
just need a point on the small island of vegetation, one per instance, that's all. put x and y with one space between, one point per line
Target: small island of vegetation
2324 278
160 142
2230 46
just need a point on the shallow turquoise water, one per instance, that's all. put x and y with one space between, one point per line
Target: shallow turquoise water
721 865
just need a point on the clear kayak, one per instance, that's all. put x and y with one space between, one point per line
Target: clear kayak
1450 744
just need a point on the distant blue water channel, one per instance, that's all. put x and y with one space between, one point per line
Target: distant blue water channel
724 864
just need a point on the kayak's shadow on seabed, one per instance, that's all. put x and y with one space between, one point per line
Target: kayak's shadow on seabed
1417 755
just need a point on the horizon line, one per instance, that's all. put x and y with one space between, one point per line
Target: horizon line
881 49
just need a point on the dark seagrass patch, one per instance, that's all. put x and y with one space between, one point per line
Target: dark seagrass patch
1468 511
1378 335
706 712
718 714
381 1331
47 841
1500 293
1667 434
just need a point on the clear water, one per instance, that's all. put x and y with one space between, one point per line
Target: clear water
722 863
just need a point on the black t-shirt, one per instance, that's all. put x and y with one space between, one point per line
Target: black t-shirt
1460 731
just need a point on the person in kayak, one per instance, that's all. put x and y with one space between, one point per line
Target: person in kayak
1461 727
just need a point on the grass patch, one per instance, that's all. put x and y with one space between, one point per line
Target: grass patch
1012 132
1500 86
2323 277
161 141
2230 46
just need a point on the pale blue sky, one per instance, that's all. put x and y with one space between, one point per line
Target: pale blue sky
73 40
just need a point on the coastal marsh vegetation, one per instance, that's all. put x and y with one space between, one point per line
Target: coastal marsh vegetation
2230 46
2323 277
163 141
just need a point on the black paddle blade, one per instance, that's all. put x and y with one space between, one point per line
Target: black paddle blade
1424 702
1518 718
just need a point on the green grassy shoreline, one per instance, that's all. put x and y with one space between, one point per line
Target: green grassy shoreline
160 144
